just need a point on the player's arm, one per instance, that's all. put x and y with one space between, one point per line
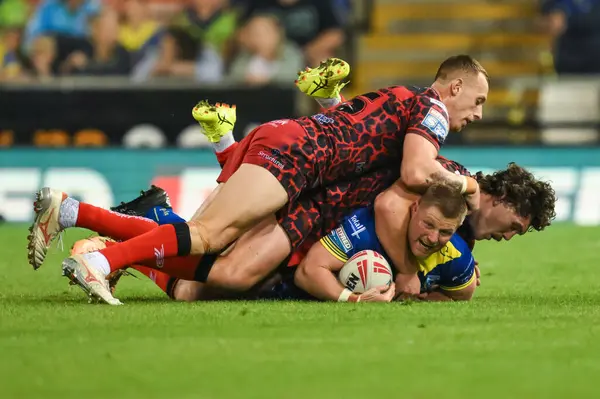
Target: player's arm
462 294
392 214
316 274
428 128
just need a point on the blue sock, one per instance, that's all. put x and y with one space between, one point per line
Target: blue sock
163 215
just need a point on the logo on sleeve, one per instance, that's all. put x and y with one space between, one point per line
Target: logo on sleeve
346 243
437 124
439 104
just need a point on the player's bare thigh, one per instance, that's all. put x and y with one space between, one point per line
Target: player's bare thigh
252 258
207 202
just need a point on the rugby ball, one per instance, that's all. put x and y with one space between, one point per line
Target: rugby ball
365 270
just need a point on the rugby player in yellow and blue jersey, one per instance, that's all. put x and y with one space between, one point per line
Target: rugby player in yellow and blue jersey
445 262
451 270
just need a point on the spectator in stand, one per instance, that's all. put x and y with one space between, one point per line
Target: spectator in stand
575 28
140 36
13 16
10 61
101 55
314 25
266 56
68 18
198 40
42 58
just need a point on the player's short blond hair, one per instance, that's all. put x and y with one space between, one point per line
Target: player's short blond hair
463 63
447 198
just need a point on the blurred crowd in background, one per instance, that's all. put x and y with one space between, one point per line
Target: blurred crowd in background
239 41
211 41
574 27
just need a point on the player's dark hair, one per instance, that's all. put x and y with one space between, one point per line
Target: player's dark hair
446 198
518 188
461 62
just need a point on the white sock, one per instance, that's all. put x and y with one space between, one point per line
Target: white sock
328 102
98 261
67 215
226 141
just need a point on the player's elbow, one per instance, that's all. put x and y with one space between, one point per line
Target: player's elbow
465 294
302 277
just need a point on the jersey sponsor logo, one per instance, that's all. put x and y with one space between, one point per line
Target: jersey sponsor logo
323 120
437 124
346 243
440 104
357 226
271 159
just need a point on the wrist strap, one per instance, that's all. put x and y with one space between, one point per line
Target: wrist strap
465 184
345 295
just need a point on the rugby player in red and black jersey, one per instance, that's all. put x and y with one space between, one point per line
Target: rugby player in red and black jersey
395 128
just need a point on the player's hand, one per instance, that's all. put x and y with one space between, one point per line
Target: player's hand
472 201
477 273
382 293
407 285
473 198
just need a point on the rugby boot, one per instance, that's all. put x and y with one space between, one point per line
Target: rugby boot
45 226
215 120
93 281
324 81
147 200
96 244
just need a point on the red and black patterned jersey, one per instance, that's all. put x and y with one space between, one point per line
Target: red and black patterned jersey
368 131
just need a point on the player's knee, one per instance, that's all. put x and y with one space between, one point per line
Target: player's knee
187 291
204 233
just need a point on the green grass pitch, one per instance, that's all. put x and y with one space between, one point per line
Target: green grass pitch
532 331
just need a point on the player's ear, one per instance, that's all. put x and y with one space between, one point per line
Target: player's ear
456 86
414 207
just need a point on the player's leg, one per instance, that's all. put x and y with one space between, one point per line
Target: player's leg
51 207
56 211
264 183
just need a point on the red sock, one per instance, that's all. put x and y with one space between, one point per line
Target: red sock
179 267
162 280
182 267
112 224
156 245
223 156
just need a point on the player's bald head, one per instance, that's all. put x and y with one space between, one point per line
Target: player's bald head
460 66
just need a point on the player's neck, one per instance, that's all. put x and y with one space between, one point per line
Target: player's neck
440 90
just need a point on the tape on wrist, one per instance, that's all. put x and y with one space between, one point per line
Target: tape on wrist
465 184
345 295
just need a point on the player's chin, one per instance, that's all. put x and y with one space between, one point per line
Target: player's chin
421 251
457 127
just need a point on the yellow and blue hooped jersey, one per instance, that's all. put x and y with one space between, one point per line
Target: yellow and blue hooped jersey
452 267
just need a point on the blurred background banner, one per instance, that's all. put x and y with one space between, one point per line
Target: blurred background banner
113 114
96 96
106 177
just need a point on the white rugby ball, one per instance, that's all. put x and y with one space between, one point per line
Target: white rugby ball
365 270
